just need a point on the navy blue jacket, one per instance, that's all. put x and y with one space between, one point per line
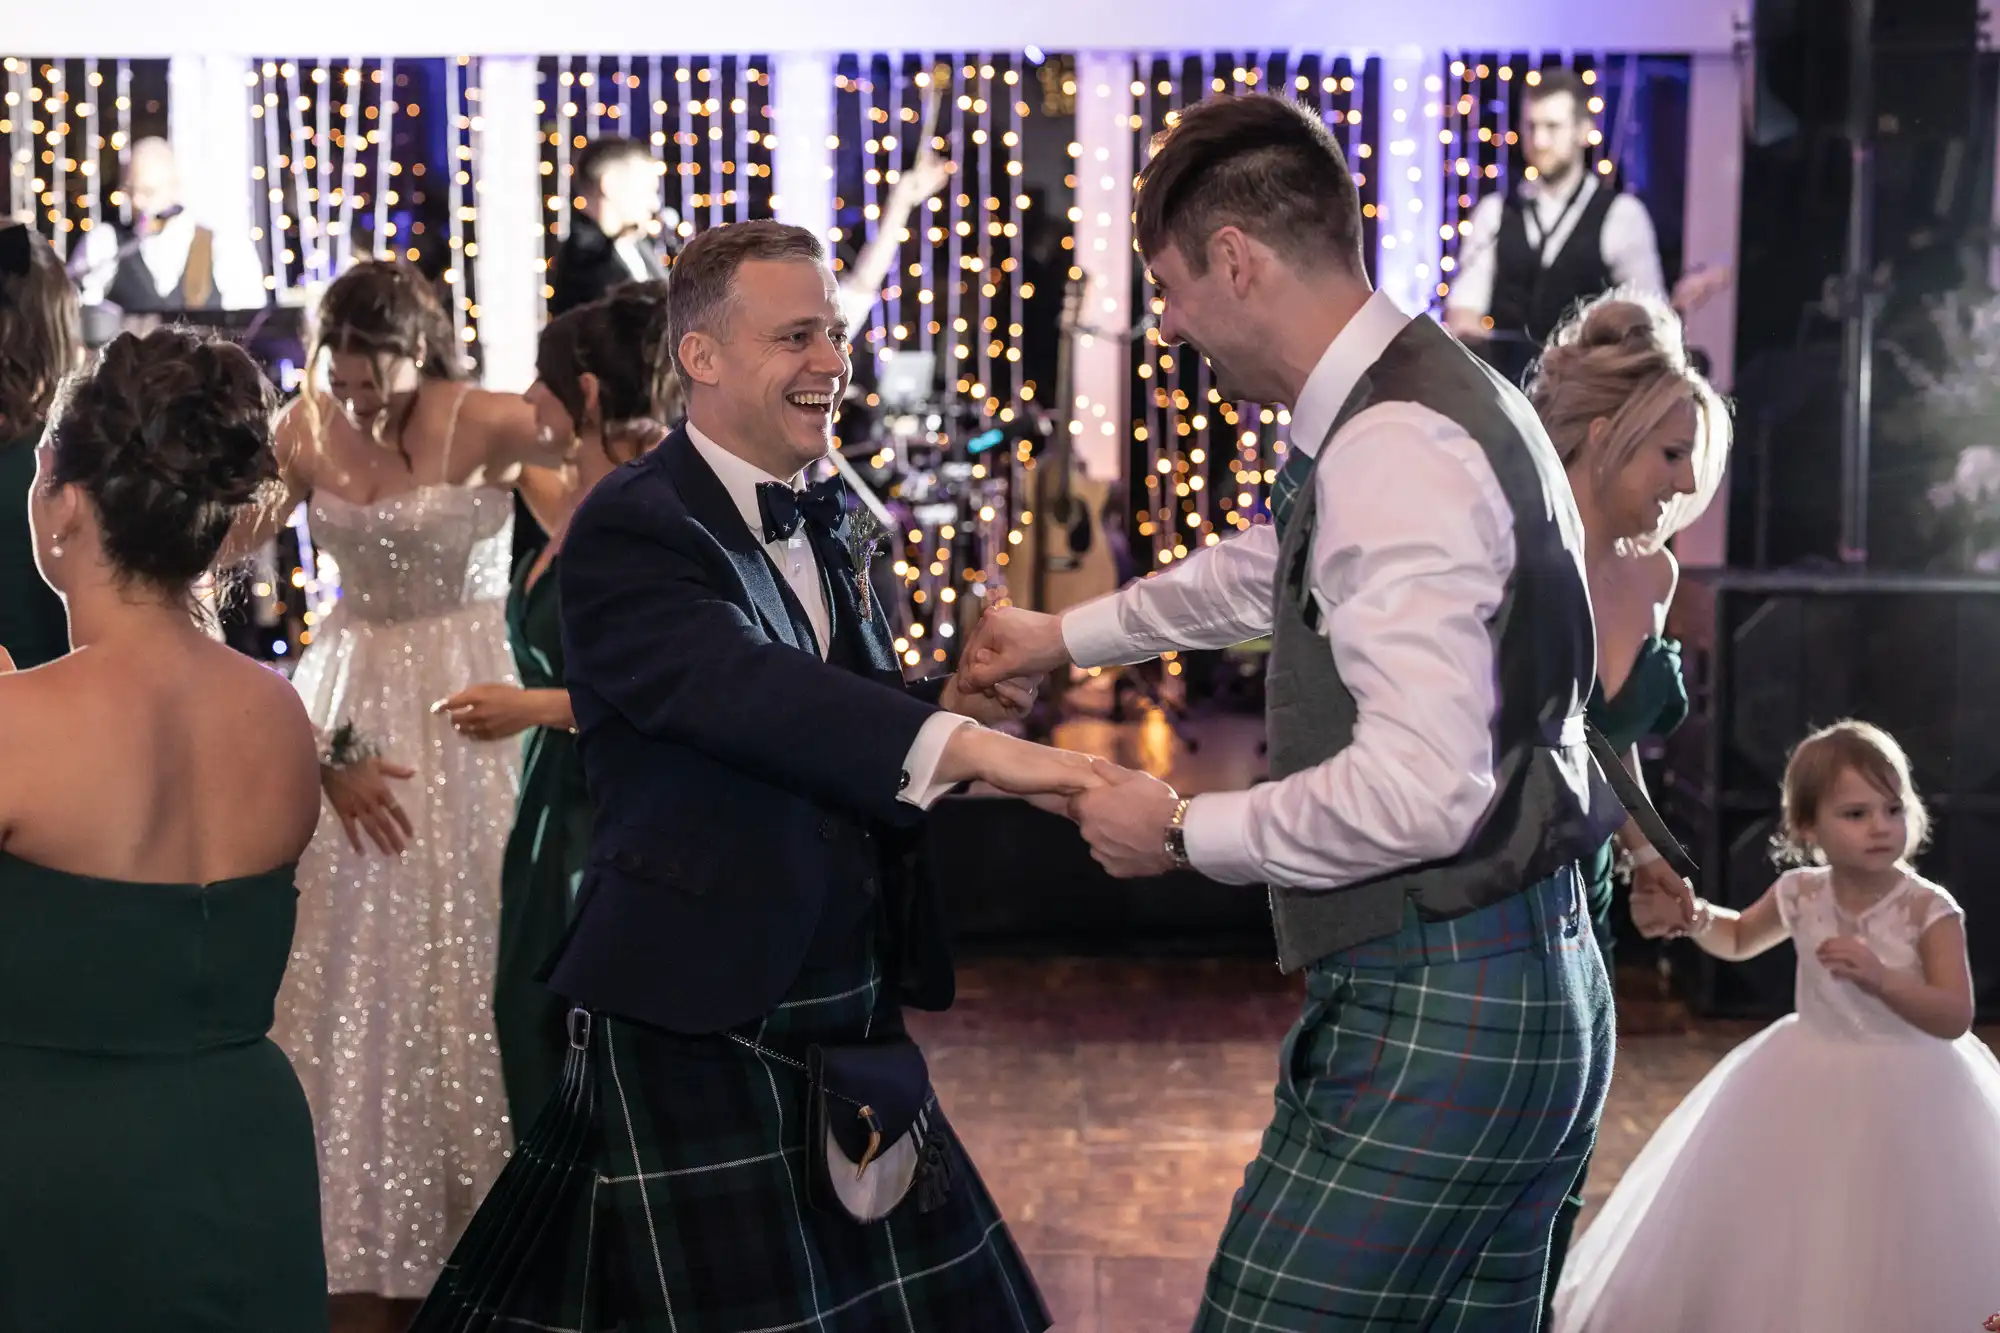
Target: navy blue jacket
744 790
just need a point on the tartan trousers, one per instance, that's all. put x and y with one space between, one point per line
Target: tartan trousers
1436 1099
663 1190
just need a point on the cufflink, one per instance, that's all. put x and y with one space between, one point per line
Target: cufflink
903 783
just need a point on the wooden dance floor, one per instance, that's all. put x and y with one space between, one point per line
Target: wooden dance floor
1111 1107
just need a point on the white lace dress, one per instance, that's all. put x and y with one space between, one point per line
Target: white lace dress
1837 1173
386 1010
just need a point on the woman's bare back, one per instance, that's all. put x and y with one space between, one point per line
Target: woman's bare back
173 761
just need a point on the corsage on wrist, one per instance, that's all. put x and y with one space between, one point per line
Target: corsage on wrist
347 746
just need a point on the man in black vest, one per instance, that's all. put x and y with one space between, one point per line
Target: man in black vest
611 237
1552 241
755 914
165 261
1432 651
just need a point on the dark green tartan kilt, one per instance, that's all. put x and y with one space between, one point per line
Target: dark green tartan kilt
663 1188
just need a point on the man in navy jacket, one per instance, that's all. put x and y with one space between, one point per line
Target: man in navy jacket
759 772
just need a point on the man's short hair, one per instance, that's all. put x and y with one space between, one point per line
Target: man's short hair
600 155
1265 164
1559 79
703 285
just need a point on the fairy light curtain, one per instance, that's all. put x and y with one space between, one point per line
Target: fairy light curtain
706 118
67 127
956 289
1201 468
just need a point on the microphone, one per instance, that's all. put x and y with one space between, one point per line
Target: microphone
79 268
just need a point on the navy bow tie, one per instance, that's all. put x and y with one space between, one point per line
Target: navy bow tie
822 504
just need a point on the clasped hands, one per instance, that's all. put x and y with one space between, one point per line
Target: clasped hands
1123 814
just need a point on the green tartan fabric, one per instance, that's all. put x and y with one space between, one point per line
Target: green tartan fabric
664 1191
1435 1101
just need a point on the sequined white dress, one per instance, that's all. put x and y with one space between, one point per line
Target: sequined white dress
1837 1173
386 1009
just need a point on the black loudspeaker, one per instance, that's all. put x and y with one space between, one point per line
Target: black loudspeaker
1922 55
1769 658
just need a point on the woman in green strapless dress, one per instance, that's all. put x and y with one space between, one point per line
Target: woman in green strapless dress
1643 439
602 382
157 1158
39 344
156 1148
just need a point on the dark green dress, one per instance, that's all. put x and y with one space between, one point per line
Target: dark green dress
544 861
33 627
157 1160
1652 702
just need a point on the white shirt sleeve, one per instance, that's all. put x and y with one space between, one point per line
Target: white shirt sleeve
921 762
1631 249
1217 597
1472 284
1410 560
239 273
100 243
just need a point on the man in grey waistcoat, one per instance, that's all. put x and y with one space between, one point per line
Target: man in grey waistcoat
1432 788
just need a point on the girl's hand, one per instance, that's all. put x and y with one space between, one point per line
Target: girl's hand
6 662
1851 960
1657 915
1657 878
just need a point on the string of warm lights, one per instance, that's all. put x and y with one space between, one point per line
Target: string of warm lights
1200 467
956 271
52 119
1480 139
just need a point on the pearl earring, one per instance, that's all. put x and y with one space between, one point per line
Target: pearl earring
55 550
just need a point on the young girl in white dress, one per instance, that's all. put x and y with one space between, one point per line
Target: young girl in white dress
1840 1171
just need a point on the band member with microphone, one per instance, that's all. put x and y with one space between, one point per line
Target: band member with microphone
165 260
616 230
1556 240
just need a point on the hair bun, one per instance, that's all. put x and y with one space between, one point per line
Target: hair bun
1627 320
170 434
197 413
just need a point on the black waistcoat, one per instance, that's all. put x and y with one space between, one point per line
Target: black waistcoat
1532 298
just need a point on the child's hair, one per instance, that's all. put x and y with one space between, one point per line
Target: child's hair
1817 764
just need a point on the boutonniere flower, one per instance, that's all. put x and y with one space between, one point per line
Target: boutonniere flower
863 540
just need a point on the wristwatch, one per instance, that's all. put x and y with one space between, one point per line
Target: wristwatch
1177 834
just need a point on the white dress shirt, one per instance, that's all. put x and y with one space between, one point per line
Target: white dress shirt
630 255
796 563
1412 549
238 273
1627 244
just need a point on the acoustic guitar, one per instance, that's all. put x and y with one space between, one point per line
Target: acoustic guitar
1068 554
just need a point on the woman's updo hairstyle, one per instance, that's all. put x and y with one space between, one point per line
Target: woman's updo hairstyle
169 435
621 339
1623 357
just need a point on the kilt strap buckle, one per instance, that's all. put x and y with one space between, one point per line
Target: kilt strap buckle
579 1029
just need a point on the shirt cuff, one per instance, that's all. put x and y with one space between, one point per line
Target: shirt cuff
920 785
1095 634
1216 833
